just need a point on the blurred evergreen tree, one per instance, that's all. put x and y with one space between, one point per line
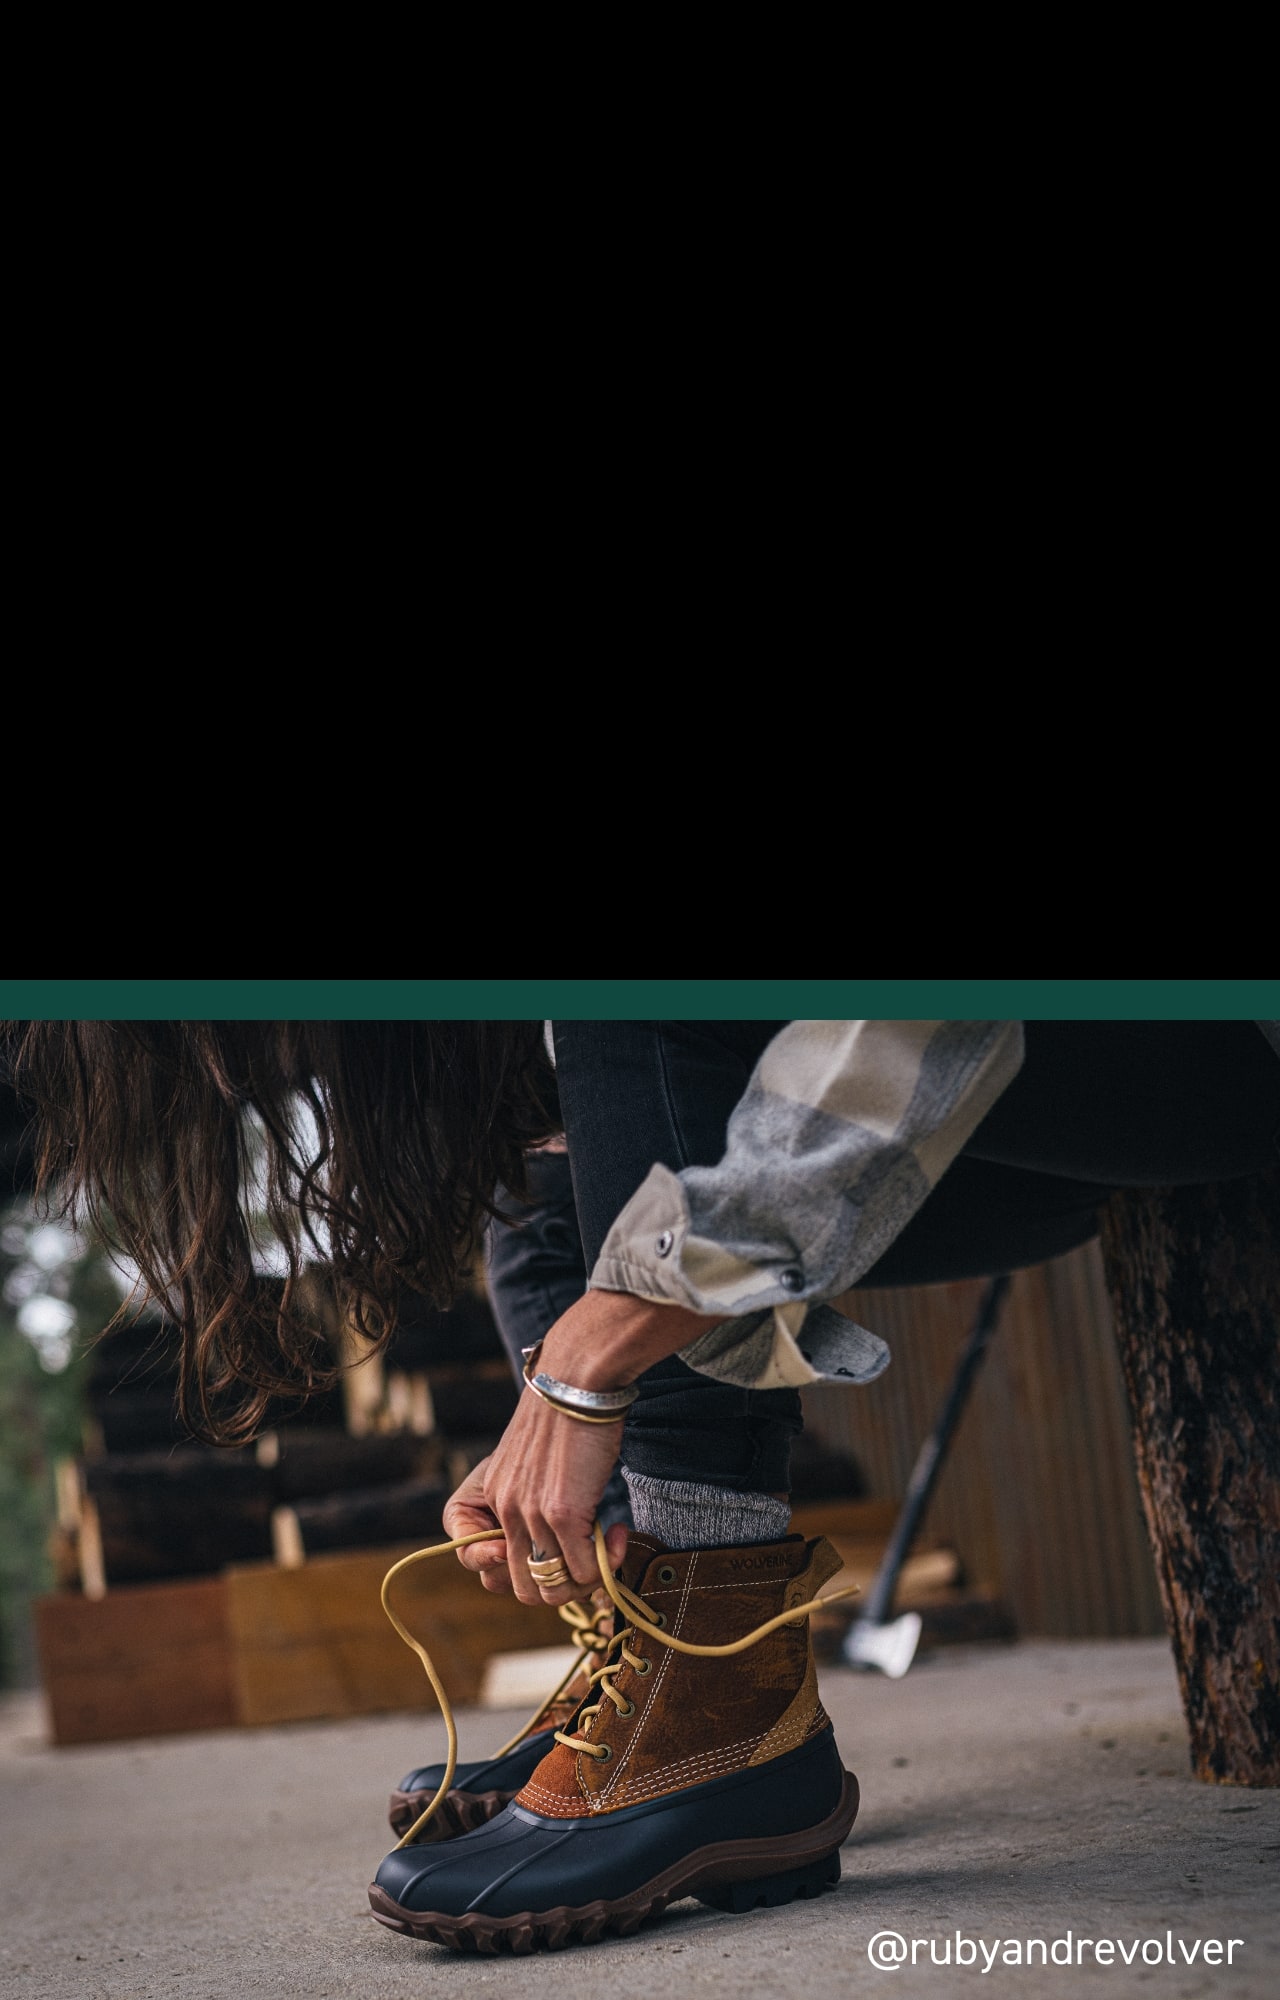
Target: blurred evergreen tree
56 1296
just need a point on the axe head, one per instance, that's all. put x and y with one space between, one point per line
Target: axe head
885 1649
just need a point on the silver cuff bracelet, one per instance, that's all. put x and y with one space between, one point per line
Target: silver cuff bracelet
592 1402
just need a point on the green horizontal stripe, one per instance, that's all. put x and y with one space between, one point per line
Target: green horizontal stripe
639 999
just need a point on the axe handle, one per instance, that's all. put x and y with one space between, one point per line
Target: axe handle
929 1459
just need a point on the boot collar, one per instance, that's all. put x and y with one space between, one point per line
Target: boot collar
648 1560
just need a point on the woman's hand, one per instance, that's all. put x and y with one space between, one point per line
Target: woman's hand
543 1483
542 1487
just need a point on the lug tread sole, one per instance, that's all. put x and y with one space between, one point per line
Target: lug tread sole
722 1867
457 1812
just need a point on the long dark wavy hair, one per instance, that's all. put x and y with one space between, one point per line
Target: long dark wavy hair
372 1149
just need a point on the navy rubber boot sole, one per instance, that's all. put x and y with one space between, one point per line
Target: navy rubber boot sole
524 1881
477 1793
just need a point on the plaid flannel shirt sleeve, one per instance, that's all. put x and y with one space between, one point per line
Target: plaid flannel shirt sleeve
843 1130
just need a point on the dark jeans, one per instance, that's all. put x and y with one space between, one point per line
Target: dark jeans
534 1271
1097 1105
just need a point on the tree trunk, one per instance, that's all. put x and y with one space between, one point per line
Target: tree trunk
1194 1279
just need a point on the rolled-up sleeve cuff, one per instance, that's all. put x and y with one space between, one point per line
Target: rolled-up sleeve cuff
652 1252
841 1133
771 1339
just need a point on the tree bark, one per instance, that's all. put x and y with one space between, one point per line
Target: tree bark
1194 1279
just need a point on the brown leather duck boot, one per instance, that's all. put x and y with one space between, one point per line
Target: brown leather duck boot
481 1790
687 1774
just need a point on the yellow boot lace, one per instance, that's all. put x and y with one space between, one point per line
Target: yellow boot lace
639 1617
590 1635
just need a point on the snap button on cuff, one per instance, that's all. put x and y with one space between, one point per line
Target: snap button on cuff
664 1243
791 1280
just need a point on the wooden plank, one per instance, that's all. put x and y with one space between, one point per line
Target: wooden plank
145 1660
93 1574
315 1641
846 1520
926 1576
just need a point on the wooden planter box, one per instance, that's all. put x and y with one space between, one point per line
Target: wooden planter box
316 1641
145 1660
260 1644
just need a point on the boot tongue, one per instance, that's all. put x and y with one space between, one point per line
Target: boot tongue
641 1550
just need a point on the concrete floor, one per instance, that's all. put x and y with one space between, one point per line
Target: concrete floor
1009 1792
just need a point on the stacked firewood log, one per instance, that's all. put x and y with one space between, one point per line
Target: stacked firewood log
369 1464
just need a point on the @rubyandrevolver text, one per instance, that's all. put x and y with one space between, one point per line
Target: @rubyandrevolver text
888 1950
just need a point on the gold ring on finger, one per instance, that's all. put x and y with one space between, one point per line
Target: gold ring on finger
550 1573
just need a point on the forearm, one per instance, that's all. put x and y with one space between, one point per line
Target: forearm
607 1339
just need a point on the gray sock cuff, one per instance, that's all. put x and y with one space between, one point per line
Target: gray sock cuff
681 1515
